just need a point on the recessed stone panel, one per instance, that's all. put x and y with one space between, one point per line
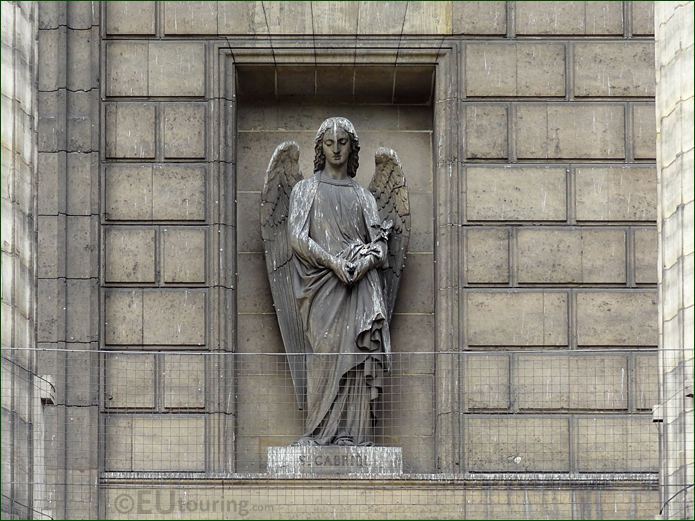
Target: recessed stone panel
184 381
486 381
479 18
616 193
174 317
643 131
176 69
190 17
129 254
645 256
184 254
487 255
128 192
516 318
617 318
622 69
486 132
130 130
184 130
571 18
179 192
123 317
129 381
126 74
136 18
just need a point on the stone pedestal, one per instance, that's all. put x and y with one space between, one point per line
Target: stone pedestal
343 461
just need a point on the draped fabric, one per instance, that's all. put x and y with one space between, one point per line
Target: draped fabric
345 326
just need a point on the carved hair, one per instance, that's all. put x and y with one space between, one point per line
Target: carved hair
353 159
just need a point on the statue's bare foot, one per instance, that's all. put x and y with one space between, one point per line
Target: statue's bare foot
305 441
344 441
366 444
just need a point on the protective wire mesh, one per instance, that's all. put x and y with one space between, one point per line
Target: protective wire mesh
481 434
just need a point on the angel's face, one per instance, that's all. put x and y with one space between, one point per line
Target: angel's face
336 146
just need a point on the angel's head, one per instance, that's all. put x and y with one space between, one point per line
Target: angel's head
337 140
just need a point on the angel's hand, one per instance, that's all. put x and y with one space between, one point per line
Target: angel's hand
362 267
343 269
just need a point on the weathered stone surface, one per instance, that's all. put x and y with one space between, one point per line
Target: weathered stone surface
642 18
617 443
184 130
184 381
645 256
643 131
487 255
82 299
516 319
486 381
82 254
616 194
344 461
515 194
411 337
126 74
616 318
176 69
517 69
416 292
646 381
578 130
571 255
184 254
123 317
128 192
129 129
190 17
253 291
335 17
129 254
517 444
82 183
130 18
598 382
179 192
614 69
479 17
129 381
590 18
486 131
174 317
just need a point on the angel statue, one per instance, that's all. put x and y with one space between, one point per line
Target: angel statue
334 254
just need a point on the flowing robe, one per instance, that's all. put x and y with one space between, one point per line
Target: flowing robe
346 326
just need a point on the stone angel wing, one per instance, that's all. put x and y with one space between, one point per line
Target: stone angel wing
282 174
389 188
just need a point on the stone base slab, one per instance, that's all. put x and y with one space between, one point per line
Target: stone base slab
341 461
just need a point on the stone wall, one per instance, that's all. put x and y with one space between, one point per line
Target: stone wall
674 118
531 284
22 457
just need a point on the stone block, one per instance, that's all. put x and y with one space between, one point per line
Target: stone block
174 317
254 289
51 187
50 258
422 223
128 192
123 317
126 74
622 69
51 57
411 337
616 444
129 254
427 18
82 305
241 18
82 183
516 318
176 69
645 256
184 381
487 255
190 18
643 131
82 245
381 18
516 194
512 444
291 18
335 17
416 292
617 318
136 18
479 18
571 255
646 381
598 382
50 298
616 193
82 71
249 222
179 192
486 381
541 382
578 130
168 443
518 69
51 15
184 254
570 18
486 132
129 130
129 381
642 17
184 130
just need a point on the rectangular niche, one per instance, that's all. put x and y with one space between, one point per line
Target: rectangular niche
389 106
